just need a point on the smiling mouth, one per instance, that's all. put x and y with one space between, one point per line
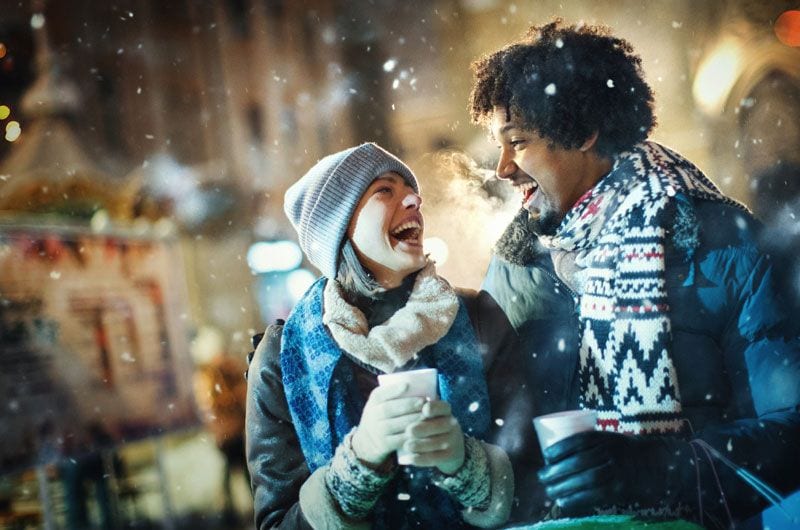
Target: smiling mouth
528 191
408 232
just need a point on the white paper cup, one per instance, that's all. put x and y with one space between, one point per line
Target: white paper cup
421 383
552 428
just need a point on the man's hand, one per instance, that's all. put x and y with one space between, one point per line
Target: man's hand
597 469
383 424
436 440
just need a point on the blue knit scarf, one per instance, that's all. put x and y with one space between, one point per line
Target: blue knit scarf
325 402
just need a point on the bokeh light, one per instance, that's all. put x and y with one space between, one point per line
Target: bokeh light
298 282
437 249
274 256
13 130
5 112
787 28
37 21
716 76
3 50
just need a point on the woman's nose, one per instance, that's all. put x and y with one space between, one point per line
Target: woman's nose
412 200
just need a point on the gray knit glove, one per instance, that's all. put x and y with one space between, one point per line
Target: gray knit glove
471 483
355 486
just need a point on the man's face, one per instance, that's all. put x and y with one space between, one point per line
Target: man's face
550 179
386 230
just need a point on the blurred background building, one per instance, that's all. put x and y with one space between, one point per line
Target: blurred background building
146 146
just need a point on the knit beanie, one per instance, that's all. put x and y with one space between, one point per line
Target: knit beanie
320 204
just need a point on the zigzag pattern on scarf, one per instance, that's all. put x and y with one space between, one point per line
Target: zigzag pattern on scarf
619 230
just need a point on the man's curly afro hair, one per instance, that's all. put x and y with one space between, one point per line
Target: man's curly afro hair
566 82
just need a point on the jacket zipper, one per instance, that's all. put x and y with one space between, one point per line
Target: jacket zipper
561 284
575 315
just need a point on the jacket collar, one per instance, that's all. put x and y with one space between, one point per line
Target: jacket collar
518 245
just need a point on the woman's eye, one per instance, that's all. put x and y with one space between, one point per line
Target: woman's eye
517 143
384 189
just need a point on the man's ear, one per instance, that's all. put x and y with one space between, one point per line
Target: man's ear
589 143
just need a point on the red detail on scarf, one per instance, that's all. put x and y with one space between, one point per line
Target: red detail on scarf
608 425
593 207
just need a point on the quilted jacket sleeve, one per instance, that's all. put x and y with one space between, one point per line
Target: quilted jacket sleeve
762 355
276 463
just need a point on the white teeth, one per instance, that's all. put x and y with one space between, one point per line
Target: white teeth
525 186
406 226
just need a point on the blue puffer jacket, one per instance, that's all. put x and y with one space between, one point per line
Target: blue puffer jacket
735 348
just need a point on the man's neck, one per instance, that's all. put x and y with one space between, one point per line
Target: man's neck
597 167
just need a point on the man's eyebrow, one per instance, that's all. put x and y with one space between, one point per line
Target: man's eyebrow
507 127
504 129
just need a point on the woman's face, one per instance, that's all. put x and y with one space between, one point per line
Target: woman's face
386 230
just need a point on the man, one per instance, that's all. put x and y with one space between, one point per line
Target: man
637 290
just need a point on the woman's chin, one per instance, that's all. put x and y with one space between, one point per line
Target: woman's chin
412 263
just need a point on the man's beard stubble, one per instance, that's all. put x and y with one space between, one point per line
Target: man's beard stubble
546 221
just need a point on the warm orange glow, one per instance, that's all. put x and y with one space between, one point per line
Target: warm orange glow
5 112
3 50
787 28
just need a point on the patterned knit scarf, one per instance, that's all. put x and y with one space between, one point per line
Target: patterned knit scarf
322 393
618 231
325 402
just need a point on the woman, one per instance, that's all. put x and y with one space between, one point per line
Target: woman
321 434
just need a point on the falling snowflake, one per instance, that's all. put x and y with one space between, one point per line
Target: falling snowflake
473 406
390 65
550 89
127 357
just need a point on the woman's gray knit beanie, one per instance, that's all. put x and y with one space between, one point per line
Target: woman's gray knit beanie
320 204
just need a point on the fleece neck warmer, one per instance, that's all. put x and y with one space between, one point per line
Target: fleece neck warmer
423 320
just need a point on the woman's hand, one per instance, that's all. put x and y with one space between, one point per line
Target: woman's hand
384 421
436 440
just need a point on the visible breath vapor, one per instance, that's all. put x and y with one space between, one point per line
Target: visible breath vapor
466 206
